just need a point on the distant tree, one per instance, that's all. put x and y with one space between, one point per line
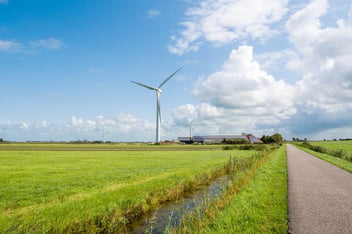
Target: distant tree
276 138
1 140
265 139
293 139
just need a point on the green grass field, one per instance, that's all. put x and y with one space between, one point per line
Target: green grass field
337 145
104 147
62 188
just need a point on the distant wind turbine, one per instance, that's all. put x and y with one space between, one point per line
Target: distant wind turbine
190 129
158 92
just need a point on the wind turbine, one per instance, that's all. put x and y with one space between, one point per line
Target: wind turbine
190 129
158 92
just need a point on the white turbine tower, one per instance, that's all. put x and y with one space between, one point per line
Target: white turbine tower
158 92
190 129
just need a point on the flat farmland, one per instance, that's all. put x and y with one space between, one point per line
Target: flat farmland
60 188
105 147
336 145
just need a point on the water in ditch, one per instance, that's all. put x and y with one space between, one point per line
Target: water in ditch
170 214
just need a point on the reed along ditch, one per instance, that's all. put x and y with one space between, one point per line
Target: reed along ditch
171 214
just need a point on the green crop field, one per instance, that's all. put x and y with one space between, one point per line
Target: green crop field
64 188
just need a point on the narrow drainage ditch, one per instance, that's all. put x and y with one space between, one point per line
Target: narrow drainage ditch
170 214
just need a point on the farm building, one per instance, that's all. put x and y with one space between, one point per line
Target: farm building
187 140
249 138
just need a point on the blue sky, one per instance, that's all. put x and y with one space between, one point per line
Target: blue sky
248 66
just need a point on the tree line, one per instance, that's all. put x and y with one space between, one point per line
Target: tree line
276 138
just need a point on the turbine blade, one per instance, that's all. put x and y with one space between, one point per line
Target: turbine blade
167 79
145 86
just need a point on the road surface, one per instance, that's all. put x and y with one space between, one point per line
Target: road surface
319 195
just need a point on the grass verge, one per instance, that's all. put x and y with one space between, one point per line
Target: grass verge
256 202
341 163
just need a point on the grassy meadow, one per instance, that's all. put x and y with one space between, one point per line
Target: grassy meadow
336 145
94 188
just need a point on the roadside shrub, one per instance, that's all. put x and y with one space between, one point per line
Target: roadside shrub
349 157
340 154
320 149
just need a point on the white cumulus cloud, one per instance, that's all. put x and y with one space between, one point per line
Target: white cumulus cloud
238 98
223 21
243 85
324 58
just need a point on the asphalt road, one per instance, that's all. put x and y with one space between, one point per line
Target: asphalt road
319 195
